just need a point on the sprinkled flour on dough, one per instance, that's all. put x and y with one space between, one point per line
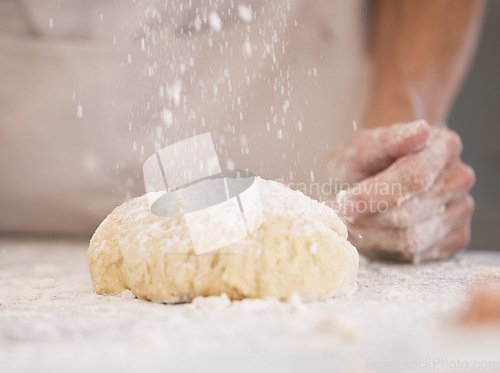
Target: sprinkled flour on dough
300 247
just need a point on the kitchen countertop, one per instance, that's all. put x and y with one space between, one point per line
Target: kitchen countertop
402 318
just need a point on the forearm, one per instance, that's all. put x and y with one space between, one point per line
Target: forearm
421 51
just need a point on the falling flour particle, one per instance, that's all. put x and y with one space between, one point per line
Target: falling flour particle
248 48
79 111
197 23
168 117
51 23
174 93
355 125
286 106
245 13
215 21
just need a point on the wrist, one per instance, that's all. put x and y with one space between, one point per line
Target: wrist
389 106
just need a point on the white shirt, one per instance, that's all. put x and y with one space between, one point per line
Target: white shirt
89 89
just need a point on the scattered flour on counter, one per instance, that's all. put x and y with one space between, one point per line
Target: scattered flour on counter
51 321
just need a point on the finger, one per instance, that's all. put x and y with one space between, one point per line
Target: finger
379 147
420 237
457 240
453 183
405 178
453 186
405 244
373 150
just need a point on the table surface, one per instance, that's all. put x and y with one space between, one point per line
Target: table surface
402 318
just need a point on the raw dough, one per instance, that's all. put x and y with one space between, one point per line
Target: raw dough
301 247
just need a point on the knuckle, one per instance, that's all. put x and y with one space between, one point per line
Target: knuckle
469 204
470 176
463 238
454 141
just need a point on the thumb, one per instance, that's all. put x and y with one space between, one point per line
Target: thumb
378 148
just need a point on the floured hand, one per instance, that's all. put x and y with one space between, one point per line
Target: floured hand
408 197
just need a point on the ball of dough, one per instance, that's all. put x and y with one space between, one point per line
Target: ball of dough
301 247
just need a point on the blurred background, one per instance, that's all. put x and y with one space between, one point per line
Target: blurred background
476 117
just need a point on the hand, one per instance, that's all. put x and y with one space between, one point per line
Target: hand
408 197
